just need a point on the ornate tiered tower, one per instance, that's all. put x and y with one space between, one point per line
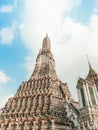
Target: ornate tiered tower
88 100
39 102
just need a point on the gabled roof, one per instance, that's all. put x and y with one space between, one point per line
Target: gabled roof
80 82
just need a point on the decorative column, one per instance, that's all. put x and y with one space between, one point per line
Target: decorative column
96 94
80 99
34 125
18 127
42 124
86 94
3 126
89 98
52 124
26 125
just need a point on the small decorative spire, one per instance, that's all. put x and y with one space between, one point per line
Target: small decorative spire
46 34
90 67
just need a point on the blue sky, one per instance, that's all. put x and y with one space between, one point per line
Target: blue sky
72 26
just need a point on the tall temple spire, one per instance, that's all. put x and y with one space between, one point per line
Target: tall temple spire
39 101
46 43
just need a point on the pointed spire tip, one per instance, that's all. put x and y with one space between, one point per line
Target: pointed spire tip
89 62
46 34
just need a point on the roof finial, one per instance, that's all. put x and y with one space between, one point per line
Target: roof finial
89 62
46 34
87 58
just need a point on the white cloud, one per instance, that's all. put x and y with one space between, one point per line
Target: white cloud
93 23
41 17
3 77
7 8
80 41
7 34
71 41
